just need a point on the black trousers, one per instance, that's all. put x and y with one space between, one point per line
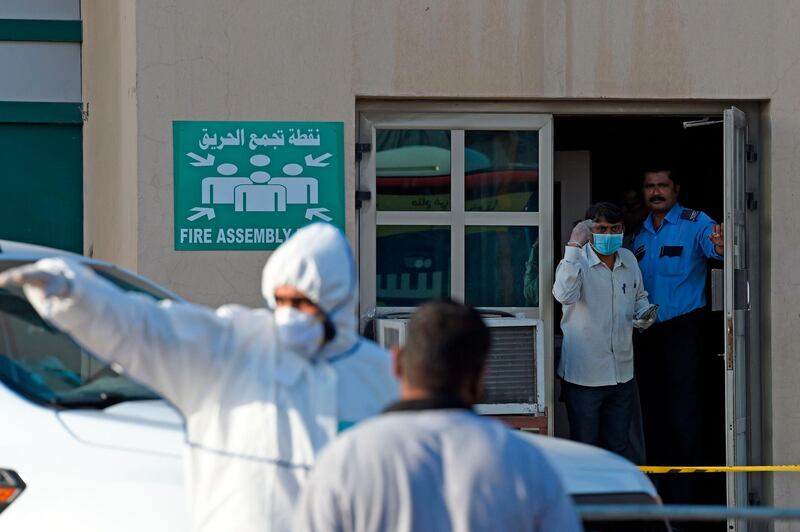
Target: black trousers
601 415
669 368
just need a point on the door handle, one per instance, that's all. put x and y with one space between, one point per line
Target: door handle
729 342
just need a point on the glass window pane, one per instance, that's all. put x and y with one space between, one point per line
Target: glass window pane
501 169
412 169
413 264
501 266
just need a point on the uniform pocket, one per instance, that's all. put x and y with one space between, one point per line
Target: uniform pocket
669 260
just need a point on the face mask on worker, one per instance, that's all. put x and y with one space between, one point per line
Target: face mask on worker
299 332
606 244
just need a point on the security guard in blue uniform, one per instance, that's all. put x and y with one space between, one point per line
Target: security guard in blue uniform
672 247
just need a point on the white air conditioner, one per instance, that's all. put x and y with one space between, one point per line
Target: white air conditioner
515 377
390 332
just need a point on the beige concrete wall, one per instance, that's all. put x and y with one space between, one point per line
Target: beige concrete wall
209 60
110 138
575 49
200 59
311 60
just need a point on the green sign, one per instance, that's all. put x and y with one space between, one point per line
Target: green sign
251 185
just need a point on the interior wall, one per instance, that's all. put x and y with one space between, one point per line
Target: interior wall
622 146
572 169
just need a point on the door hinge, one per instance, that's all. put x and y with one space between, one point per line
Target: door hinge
85 111
752 202
361 148
751 153
361 197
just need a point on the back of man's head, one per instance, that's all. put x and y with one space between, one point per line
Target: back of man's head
446 350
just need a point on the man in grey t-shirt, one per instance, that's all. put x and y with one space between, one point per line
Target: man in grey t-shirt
429 462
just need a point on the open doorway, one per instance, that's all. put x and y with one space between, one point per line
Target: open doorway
599 158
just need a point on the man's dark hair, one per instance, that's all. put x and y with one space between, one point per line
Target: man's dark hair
447 346
662 166
610 212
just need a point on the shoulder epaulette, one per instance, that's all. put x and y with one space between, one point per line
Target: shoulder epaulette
690 214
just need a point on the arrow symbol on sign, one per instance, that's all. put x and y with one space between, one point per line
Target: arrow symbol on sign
318 212
310 161
201 161
199 212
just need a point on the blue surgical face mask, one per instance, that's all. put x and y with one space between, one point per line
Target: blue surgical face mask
606 244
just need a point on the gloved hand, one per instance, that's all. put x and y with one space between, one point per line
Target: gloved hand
581 233
646 318
52 284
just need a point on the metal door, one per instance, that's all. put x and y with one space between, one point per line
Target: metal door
736 306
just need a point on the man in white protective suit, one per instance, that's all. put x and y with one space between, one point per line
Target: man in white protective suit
262 391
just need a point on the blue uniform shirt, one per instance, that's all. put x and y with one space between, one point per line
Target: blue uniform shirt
673 260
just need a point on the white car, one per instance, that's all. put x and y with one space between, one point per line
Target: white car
83 448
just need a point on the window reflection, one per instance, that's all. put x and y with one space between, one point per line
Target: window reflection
45 365
413 264
501 266
413 170
501 171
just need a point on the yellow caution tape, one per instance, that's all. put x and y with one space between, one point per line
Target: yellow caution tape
718 469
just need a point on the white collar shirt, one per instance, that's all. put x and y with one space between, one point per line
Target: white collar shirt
599 304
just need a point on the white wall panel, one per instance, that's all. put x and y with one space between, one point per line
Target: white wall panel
41 9
40 71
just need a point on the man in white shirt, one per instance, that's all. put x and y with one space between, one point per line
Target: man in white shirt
429 462
600 287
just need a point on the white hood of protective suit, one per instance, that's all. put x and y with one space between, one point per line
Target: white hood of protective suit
256 415
317 261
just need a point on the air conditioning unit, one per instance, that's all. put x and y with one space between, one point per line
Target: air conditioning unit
390 332
515 373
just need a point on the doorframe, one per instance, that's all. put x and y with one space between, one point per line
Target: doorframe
758 448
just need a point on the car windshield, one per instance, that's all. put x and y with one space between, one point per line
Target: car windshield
46 366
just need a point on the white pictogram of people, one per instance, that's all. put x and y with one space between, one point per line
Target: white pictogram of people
260 192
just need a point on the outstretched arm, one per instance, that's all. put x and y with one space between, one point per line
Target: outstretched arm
173 348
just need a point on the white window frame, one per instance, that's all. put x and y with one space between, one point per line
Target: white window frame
457 218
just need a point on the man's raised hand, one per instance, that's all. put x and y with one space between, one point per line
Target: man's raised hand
581 234
52 284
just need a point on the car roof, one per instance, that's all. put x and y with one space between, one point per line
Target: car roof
10 249
585 469
21 251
